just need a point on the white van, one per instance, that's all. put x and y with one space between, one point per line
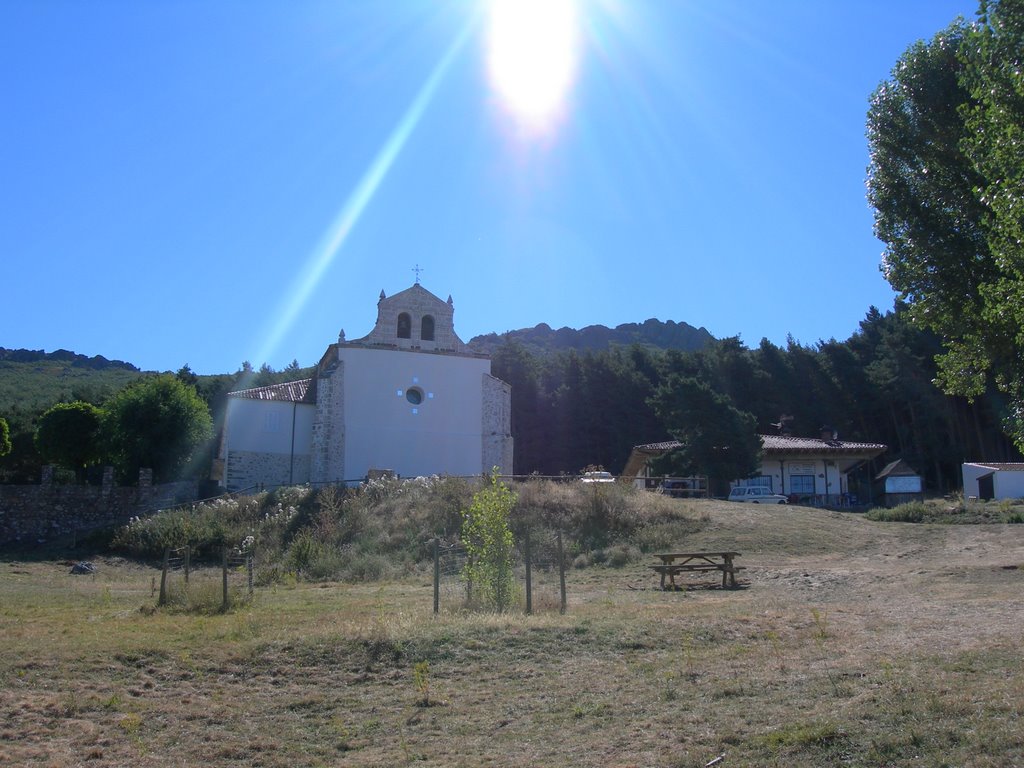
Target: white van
756 494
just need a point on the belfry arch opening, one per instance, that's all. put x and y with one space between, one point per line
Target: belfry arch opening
427 328
404 326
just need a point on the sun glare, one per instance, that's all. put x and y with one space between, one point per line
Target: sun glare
532 53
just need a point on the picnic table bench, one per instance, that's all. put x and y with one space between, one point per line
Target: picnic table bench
674 563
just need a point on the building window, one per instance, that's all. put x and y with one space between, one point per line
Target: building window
404 326
427 328
801 484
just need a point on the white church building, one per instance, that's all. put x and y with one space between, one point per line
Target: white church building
408 398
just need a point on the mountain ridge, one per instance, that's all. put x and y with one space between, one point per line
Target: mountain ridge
542 338
96 362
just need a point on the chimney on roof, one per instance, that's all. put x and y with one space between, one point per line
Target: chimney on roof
783 425
829 433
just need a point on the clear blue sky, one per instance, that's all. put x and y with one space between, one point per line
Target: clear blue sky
204 182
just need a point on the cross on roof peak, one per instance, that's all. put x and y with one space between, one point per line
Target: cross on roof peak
417 269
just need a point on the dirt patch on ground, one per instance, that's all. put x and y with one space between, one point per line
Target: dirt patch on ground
850 642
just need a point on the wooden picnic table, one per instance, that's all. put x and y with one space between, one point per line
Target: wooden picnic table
674 563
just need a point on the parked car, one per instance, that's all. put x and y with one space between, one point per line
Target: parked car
597 477
756 494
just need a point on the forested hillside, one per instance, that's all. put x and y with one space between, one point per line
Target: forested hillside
32 381
30 386
571 409
574 407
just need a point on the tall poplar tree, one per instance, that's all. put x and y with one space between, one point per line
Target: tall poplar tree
947 158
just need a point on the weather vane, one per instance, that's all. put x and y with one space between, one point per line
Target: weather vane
417 269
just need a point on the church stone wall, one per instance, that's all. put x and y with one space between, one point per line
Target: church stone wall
414 406
328 459
247 469
418 302
496 426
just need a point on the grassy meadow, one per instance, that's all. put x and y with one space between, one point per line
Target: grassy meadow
851 642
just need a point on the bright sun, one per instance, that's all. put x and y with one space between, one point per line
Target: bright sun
532 52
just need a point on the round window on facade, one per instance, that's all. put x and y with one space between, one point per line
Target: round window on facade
414 395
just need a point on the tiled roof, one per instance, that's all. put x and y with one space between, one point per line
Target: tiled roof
288 392
1001 466
787 444
641 454
898 468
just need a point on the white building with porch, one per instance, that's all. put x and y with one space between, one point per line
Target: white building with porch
811 470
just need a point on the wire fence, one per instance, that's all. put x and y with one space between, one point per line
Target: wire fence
182 583
538 570
538 573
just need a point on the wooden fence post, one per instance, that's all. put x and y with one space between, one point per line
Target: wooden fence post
437 575
163 577
561 573
529 574
224 577
188 561
248 570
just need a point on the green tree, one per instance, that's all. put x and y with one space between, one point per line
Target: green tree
158 423
513 364
718 439
947 183
993 72
5 437
187 376
487 536
69 434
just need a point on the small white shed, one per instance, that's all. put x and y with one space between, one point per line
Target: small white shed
994 481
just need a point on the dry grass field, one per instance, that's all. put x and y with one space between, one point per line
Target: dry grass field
851 643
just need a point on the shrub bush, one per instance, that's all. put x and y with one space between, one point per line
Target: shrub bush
911 512
207 527
387 527
665 536
362 566
622 555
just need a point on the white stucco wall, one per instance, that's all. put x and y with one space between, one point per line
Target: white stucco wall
809 465
265 426
258 445
1006 483
1009 484
971 473
383 430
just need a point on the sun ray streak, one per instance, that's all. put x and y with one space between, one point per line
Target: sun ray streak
327 249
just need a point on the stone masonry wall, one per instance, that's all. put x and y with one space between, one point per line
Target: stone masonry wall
35 514
496 426
247 468
418 302
328 460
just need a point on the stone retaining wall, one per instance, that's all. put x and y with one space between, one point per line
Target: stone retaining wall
31 515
